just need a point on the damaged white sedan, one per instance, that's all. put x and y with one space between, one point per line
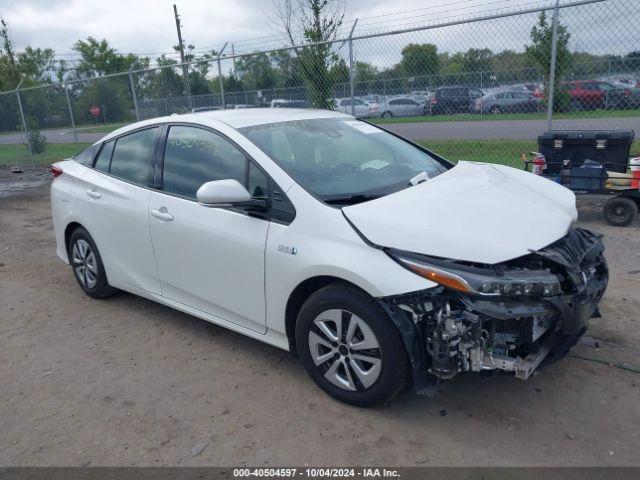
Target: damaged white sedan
381 264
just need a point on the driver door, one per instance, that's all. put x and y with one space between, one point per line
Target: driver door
210 259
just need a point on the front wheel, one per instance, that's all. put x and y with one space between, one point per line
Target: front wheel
350 347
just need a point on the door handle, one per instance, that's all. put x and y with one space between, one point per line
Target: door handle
162 214
93 194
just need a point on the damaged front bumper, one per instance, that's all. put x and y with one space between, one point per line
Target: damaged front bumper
447 332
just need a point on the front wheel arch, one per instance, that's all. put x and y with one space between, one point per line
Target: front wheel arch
300 294
393 371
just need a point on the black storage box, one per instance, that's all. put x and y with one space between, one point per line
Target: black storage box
587 178
607 147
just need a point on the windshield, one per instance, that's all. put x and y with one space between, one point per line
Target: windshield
336 158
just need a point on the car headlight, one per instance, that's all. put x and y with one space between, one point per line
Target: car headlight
510 283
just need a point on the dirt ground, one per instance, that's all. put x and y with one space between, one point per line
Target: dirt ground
126 381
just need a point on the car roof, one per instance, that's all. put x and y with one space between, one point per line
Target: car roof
239 118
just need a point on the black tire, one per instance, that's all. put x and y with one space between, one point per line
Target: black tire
101 288
393 372
387 114
620 211
495 110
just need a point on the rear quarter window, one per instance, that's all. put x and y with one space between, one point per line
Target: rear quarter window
86 156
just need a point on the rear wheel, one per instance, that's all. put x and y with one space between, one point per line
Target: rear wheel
495 110
350 347
87 265
620 211
387 114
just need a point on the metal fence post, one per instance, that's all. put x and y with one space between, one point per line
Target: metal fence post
24 123
73 122
481 95
351 68
133 93
222 100
552 72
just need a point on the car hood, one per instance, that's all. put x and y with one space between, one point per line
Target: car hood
474 212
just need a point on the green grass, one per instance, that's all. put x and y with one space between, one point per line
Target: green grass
100 128
54 152
468 117
504 152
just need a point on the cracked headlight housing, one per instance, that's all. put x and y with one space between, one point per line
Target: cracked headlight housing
479 281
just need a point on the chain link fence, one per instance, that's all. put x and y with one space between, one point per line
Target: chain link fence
479 88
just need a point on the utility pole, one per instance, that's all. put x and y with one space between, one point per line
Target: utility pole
185 68
223 102
233 57
352 73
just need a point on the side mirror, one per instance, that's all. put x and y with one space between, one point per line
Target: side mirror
219 193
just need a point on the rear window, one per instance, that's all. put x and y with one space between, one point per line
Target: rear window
86 156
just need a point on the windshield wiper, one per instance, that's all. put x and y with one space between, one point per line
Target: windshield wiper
350 199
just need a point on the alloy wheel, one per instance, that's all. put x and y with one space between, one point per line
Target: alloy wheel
345 349
85 265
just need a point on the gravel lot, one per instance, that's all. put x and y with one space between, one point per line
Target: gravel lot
128 382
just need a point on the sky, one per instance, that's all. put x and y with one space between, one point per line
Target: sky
148 26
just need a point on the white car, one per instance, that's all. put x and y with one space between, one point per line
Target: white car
362 109
402 107
380 263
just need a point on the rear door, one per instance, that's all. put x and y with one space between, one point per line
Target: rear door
113 203
210 259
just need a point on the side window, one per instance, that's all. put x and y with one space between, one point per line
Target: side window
258 183
104 157
85 157
393 102
131 159
345 102
194 156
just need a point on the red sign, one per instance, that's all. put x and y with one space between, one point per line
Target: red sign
94 110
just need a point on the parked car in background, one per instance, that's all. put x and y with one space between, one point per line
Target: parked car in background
401 107
621 82
282 103
421 96
453 99
374 98
362 108
507 101
593 94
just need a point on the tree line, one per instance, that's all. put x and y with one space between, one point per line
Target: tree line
318 68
